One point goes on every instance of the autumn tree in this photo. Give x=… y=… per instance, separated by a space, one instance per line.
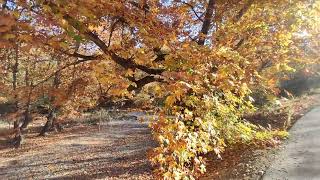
x=32 y=70
x=207 y=56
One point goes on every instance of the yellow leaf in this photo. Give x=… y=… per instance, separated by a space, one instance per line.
x=170 y=100
x=9 y=36
x=130 y=73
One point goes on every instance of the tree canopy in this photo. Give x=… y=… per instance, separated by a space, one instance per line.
x=204 y=57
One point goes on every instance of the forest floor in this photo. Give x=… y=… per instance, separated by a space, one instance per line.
x=116 y=149
x=82 y=151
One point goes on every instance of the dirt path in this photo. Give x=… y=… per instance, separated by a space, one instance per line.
x=117 y=151
x=300 y=157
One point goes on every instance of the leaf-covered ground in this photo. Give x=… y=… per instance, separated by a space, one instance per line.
x=118 y=151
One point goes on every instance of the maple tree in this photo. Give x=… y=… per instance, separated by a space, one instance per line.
x=205 y=58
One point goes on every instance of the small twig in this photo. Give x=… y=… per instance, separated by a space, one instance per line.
x=193 y=10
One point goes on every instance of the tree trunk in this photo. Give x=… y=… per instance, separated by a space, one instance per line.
x=27 y=119
x=56 y=126
x=27 y=115
x=16 y=124
x=17 y=141
x=14 y=81
x=50 y=118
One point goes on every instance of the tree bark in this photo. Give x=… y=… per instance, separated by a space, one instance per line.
x=17 y=141
x=27 y=119
x=206 y=22
x=15 y=74
x=15 y=67
x=56 y=126
x=50 y=118
x=27 y=115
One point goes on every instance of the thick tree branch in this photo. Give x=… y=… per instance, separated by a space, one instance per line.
x=113 y=27
x=207 y=22
x=142 y=82
x=125 y=63
x=160 y=55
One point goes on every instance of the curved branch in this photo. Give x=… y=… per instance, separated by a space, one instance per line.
x=84 y=57
x=125 y=63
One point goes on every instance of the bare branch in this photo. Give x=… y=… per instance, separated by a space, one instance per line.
x=113 y=27
x=193 y=10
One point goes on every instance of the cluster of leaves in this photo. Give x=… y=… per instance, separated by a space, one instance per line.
x=203 y=112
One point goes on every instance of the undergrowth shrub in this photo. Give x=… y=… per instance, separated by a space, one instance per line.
x=213 y=126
